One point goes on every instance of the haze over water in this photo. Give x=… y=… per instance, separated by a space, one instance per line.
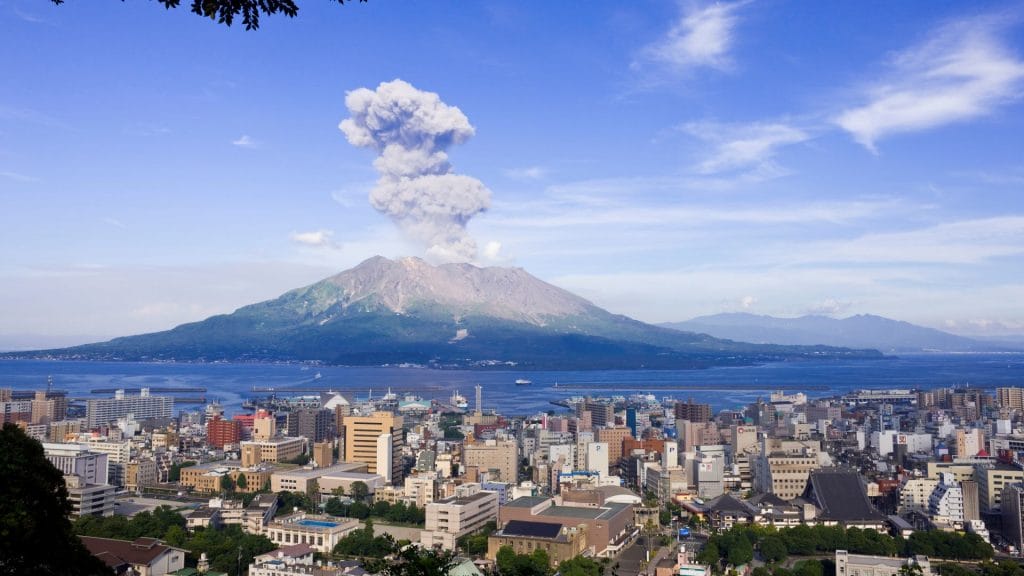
x=723 y=388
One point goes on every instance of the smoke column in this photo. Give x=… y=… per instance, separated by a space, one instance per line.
x=411 y=130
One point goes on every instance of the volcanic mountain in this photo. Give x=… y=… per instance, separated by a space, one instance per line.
x=454 y=315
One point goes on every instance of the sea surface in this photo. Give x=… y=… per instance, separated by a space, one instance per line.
x=726 y=387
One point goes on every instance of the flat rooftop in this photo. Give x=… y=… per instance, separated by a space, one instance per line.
x=527 y=501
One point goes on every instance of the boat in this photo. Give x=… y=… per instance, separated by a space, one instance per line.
x=523 y=382
x=459 y=401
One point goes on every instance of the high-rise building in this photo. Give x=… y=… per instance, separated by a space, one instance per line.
x=362 y=434
x=48 y=407
x=313 y=424
x=102 y=411
x=1013 y=514
x=693 y=411
x=499 y=458
x=220 y=432
x=613 y=437
x=601 y=413
x=1012 y=398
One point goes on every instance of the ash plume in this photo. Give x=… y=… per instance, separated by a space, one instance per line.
x=411 y=130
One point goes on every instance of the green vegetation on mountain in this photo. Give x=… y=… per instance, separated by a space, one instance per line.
x=454 y=315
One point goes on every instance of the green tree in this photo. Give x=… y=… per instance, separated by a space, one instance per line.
x=709 y=554
x=358 y=490
x=174 y=472
x=773 y=549
x=35 y=532
x=580 y=566
x=241 y=482
x=741 y=552
x=227 y=484
x=512 y=564
x=334 y=507
x=225 y=11
x=414 y=561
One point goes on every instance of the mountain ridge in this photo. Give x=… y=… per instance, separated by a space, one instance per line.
x=885 y=334
x=407 y=311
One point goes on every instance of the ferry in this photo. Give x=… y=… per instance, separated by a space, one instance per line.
x=523 y=382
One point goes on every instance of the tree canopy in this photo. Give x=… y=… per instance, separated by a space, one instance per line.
x=225 y=11
x=35 y=532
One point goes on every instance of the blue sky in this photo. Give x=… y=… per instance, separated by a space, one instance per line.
x=663 y=159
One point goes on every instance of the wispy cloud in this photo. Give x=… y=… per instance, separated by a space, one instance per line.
x=702 y=37
x=963 y=71
x=115 y=222
x=18 y=177
x=960 y=242
x=526 y=173
x=315 y=238
x=559 y=215
x=246 y=141
x=742 y=145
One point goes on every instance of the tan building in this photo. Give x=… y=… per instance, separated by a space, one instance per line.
x=264 y=427
x=363 y=443
x=308 y=479
x=499 y=458
x=421 y=489
x=450 y=519
x=323 y=454
x=276 y=450
x=64 y=430
x=208 y=478
x=614 y=437
x=1012 y=398
x=139 y=474
x=560 y=542
x=783 y=466
x=914 y=495
x=991 y=481
x=969 y=442
x=608 y=527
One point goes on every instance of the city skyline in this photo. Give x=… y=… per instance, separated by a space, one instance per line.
x=664 y=160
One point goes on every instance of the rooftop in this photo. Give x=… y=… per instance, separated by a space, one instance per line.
x=531 y=529
x=527 y=501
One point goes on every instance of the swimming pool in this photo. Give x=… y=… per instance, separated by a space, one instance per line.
x=317 y=523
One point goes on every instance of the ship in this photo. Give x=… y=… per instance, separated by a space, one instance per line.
x=523 y=382
x=459 y=401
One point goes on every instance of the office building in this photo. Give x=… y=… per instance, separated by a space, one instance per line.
x=86 y=475
x=500 y=459
x=860 y=565
x=362 y=443
x=321 y=533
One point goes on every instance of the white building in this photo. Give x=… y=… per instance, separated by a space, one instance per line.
x=319 y=532
x=860 y=565
x=106 y=410
x=597 y=458
x=946 y=503
x=450 y=519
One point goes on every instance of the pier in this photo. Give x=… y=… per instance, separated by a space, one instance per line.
x=152 y=390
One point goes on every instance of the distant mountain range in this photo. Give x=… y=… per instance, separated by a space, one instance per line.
x=861 y=331
x=454 y=315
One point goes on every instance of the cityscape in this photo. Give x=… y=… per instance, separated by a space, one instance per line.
x=659 y=288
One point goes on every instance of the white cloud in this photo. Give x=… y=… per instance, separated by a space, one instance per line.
x=315 y=238
x=747 y=302
x=962 y=71
x=702 y=37
x=246 y=141
x=526 y=173
x=18 y=177
x=830 y=307
x=742 y=145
